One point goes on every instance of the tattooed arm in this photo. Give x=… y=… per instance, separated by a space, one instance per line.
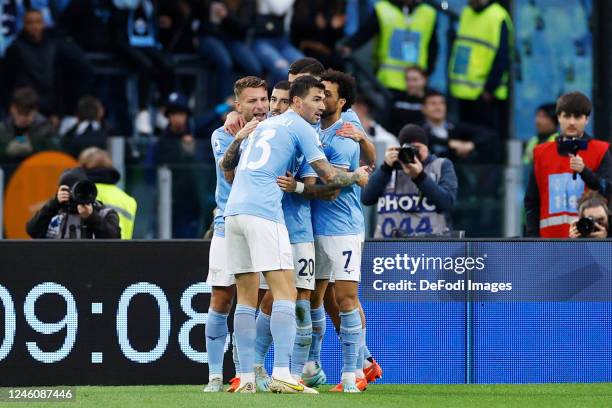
x=338 y=178
x=312 y=191
x=230 y=159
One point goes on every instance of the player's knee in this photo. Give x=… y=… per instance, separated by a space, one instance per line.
x=347 y=302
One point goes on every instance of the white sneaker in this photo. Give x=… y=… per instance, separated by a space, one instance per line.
x=143 y=122
x=214 y=385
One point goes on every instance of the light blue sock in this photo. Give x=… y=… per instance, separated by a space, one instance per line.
x=361 y=351
x=318 y=333
x=350 y=335
x=235 y=353
x=244 y=329
x=303 y=336
x=282 y=326
x=264 y=337
x=216 y=334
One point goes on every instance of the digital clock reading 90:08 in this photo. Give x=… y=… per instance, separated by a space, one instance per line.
x=70 y=322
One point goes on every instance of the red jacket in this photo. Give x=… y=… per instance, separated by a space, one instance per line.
x=559 y=192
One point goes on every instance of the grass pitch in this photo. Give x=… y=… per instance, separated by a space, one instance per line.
x=456 y=396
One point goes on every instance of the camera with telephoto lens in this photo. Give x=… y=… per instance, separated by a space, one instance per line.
x=82 y=192
x=586 y=226
x=406 y=155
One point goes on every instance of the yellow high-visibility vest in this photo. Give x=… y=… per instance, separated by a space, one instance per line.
x=125 y=205
x=474 y=50
x=402 y=41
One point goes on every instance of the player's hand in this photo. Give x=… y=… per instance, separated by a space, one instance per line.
x=233 y=123
x=573 y=232
x=600 y=232
x=364 y=175
x=576 y=163
x=247 y=129
x=63 y=194
x=287 y=183
x=85 y=210
x=413 y=169
x=391 y=156
x=348 y=130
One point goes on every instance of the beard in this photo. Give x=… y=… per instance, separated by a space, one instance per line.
x=327 y=113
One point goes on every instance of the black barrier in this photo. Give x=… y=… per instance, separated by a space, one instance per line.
x=103 y=313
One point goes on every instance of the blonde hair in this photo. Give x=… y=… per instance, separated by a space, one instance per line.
x=94 y=157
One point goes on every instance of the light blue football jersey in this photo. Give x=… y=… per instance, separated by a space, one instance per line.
x=297 y=209
x=220 y=141
x=342 y=216
x=351 y=117
x=273 y=149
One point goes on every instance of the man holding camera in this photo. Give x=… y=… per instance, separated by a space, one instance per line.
x=564 y=169
x=594 y=217
x=74 y=212
x=415 y=190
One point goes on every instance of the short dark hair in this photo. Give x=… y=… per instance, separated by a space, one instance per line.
x=431 y=93
x=89 y=108
x=347 y=89
x=592 y=199
x=284 y=85
x=248 y=82
x=549 y=109
x=307 y=65
x=417 y=69
x=302 y=85
x=574 y=103
x=25 y=100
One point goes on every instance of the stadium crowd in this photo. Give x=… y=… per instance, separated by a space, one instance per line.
x=53 y=96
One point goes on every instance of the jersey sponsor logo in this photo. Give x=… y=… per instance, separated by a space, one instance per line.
x=390 y=203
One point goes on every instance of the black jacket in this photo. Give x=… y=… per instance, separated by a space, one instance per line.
x=95 y=226
x=103 y=223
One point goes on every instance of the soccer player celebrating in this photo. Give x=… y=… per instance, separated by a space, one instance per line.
x=339 y=230
x=254 y=106
x=256 y=237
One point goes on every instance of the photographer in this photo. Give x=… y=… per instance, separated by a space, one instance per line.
x=415 y=190
x=564 y=169
x=74 y=212
x=594 y=217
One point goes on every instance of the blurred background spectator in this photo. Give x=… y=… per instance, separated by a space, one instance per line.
x=408 y=104
x=138 y=44
x=546 y=124
x=88 y=129
x=271 y=42
x=457 y=141
x=224 y=27
x=376 y=133
x=43 y=59
x=25 y=131
x=406 y=31
x=479 y=68
x=316 y=27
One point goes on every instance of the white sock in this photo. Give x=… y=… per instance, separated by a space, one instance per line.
x=359 y=373
x=348 y=378
x=246 y=378
x=282 y=373
x=215 y=377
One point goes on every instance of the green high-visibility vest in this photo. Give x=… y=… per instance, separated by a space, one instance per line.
x=403 y=40
x=474 y=50
x=125 y=205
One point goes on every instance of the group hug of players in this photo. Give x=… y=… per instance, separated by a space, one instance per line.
x=288 y=233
